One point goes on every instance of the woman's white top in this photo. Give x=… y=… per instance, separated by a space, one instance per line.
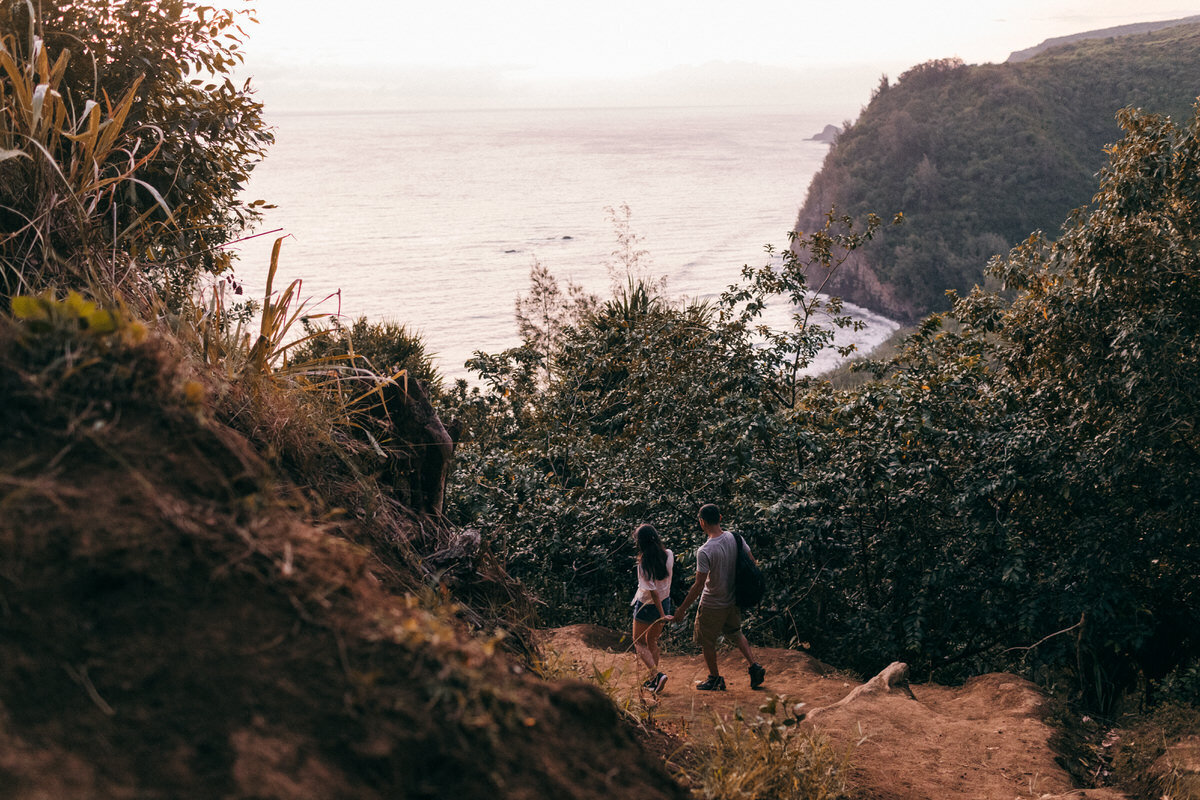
x=646 y=584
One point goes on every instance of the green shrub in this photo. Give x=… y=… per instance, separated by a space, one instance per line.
x=1182 y=685
x=385 y=347
x=120 y=131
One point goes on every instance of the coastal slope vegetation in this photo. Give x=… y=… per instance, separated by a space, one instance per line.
x=1015 y=490
x=183 y=613
x=979 y=156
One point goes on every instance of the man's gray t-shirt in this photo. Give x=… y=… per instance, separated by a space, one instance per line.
x=718 y=557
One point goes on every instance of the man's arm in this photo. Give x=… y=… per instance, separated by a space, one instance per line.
x=692 y=594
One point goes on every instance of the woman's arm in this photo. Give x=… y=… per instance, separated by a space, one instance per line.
x=670 y=574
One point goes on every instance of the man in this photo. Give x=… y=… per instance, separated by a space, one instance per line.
x=717 y=614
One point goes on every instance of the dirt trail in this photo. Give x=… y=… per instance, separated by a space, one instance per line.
x=986 y=740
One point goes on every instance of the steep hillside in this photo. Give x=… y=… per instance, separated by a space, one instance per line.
x=1103 y=33
x=978 y=157
x=178 y=619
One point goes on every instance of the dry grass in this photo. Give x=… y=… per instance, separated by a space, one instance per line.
x=771 y=755
x=1142 y=763
x=63 y=166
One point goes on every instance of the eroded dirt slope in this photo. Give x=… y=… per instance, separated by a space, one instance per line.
x=177 y=622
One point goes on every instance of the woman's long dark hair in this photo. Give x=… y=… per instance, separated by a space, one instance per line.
x=652 y=556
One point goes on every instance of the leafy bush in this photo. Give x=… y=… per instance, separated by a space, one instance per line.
x=119 y=131
x=386 y=348
x=1182 y=685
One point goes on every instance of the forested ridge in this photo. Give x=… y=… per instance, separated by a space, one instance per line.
x=979 y=156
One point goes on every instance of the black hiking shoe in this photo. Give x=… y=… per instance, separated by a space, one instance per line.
x=715 y=683
x=659 y=682
x=651 y=682
x=757 y=675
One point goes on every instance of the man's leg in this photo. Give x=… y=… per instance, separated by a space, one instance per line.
x=757 y=673
x=708 y=628
x=744 y=646
x=734 y=632
x=710 y=658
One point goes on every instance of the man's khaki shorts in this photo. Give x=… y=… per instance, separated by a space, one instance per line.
x=711 y=623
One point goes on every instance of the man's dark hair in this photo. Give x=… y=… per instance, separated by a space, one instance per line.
x=710 y=513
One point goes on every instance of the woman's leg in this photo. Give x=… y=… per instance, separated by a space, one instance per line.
x=660 y=680
x=652 y=635
x=641 y=632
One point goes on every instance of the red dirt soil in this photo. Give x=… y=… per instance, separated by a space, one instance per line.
x=986 y=740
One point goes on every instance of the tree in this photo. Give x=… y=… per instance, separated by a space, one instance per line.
x=122 y=130
x=1104 y=341
x=544 y=313
x=1025 y=470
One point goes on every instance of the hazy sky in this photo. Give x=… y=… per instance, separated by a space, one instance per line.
x=375 y=54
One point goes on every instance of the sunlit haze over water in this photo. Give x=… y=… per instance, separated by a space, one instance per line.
x=412 y=176
x=433 y=219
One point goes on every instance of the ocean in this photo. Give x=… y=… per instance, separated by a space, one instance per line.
x=433 y=219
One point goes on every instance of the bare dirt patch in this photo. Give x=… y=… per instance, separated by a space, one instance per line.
x=985 y=740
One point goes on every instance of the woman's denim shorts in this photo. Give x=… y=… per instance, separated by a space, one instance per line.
x=648 y=612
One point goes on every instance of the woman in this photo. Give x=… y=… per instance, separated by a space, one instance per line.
x=652 y=603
